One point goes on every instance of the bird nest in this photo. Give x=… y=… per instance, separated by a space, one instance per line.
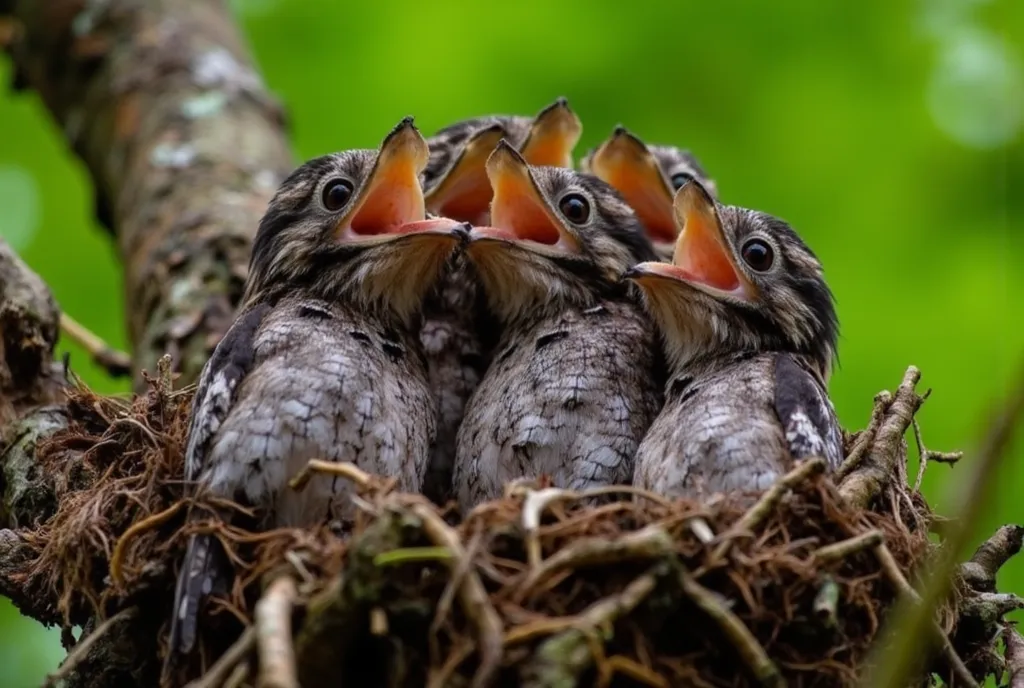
x=544 y=587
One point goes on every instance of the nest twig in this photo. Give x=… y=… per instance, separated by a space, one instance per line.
x=542 y=587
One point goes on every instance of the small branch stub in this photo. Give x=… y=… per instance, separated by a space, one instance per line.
x=274 y=635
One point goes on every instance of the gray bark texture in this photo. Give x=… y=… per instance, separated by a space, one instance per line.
x=185 y=146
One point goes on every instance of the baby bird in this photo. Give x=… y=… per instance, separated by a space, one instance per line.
x=750 y=330
x=456 y=334
x=647 y=177
x=571 y=388
x=323 y=360
x=455 y=180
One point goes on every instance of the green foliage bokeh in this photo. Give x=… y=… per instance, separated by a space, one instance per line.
x=888 y=134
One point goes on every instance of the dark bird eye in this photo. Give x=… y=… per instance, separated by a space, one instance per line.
x=336 y=194
x=575 y=208
x=758 y=255
x=680 y=179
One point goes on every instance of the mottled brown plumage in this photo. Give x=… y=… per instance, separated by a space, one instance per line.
x=457 y=334
x=572 y=386
x=324 y=359
x=647 y=176
x=749 y=330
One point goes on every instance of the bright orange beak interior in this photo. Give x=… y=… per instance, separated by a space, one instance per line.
x=553 y=137
x=517 y=209
x=629 y=168
x=701 y=253
x=518 y=212
x=394 y=197
x=552 y=148
x=465 y=192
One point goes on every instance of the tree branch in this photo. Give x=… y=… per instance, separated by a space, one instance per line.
x=184 y=145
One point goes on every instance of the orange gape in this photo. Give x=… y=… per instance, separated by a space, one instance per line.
x=702 y=256
x=548 y=148
x=517 y=210
x=645 y=193
x=468 y=199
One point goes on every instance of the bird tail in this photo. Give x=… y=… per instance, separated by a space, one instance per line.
x=204 y=568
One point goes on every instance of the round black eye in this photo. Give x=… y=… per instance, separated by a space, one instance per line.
x=336 y=194
x=680 y=179
x=575 y=207
x=758 y=254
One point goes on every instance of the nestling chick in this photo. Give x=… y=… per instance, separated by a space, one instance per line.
x=647 y=177
x=571 y=388
x=456 y=335
x=750 y=330
x=323 y=360
x=455 y=180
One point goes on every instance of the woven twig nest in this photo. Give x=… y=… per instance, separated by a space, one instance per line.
x=543 y=587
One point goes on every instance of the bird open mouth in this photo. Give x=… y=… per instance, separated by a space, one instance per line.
x=391 y=201
x=555 y=132
x=624 y=162
x=702 y=256
x=464 y=193
x=519 y=212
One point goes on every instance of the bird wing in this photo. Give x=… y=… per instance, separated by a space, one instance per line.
x=806 y=413
x=218 y=385
x=218 y=382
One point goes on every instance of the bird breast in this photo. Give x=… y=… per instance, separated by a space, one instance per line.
x=456 y=357
x=330 y=384
x=717 y=432
x=569 y=396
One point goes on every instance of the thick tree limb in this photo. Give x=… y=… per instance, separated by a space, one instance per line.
x=185 y=147
x=184 y=144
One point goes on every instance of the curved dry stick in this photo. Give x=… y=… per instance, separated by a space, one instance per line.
x=561 y=659
x=343 y=469
x=846 y=548
x=867 y=436
x=82 y=647
x=892 y=571
x=1014 y=657
x=148 y=523
x=763 y=507
x=274 y=635
x=116 y=363
x=925 y=455
x=221 y=671
x=476 y=605
x=651 y=542
x=991 y=555
x=745 y=643
x=861 y=486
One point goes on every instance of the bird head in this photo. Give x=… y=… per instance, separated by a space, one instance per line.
x=352 y=226
x=647 y=177
x=556 y=236
x=456 y=176
x=739 y=280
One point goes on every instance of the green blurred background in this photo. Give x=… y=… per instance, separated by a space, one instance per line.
x=888 y=133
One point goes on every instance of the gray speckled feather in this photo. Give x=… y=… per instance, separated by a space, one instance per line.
x=326 y=382
x=572 y=385
x=322 y=382
x=749 y=359
x=324 y=360
x=457 y=349
x=568 y=395
x=736 y=423
x=457 y=334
